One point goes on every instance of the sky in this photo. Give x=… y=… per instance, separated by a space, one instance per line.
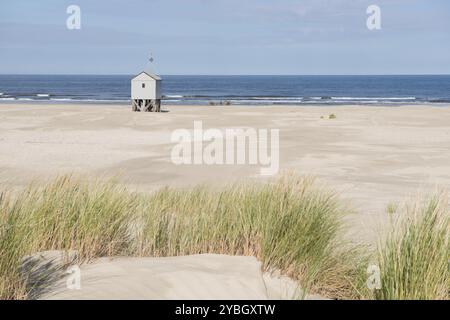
x=304 y=37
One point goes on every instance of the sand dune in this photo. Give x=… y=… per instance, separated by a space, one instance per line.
x=205 y=276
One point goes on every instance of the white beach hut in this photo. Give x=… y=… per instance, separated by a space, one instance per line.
x=146 y=92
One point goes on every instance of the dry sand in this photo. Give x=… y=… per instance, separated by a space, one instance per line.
x=371 y=155
x=195 y=277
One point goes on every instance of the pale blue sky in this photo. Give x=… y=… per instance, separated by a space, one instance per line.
x=225 y=37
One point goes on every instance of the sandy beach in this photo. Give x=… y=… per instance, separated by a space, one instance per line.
x=260 y=150
x=372 y=156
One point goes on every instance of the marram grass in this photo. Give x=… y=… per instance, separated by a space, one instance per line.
x=414 y=258
x=66 y=214
x=289 y=224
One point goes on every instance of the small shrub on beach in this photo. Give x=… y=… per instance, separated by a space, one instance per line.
x=332 y=116
x=391 y=208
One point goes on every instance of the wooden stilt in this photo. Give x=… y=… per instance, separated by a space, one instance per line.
x=134 y=104
x=146 y=105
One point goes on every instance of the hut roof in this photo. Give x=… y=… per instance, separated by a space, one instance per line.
x=151 y=75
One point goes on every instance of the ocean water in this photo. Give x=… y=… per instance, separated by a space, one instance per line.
x=253 y=90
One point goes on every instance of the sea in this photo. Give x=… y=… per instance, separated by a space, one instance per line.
x=234 y=90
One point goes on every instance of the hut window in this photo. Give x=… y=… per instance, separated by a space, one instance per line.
x=143 y=85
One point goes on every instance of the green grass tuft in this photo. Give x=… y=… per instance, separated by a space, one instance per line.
x=414 y=257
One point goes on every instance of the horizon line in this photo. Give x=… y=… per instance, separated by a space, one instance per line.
x=222 y=75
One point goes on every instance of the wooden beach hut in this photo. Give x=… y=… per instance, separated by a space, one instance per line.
x=146 y=92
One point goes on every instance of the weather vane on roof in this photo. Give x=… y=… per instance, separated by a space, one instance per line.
x=150 y=65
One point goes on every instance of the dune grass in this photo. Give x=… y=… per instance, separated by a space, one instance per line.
x=289 y=224
x=414 y=256
x=67 y=214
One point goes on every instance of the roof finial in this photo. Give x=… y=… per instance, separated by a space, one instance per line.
x=150 y=65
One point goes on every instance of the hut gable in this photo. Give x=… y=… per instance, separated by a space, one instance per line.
x=146 y=76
